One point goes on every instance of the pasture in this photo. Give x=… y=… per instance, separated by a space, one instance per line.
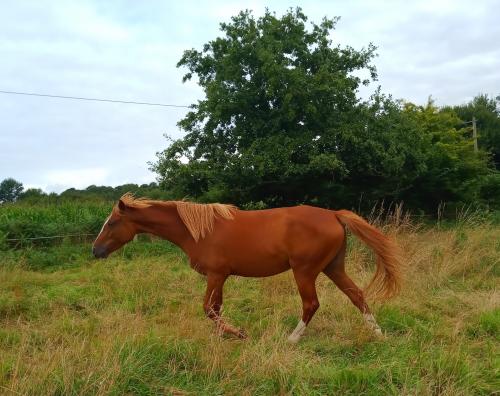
x=134 y=324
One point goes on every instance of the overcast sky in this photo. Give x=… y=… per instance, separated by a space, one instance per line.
x=128 y=50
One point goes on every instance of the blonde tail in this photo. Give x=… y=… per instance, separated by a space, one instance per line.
x=386 y=282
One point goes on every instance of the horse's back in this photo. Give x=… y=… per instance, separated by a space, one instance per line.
x=285 y=224
x=267 y=242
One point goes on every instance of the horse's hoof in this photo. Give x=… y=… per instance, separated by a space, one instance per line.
x=242 y=334
x=293 y=339
x=379 y=334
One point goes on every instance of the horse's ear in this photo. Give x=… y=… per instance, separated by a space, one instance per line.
x=122 y=206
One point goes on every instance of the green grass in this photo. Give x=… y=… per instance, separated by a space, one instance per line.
x=133 y=324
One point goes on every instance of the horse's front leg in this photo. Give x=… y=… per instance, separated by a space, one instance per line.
x=213 y=303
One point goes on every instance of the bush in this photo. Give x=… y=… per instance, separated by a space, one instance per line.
x=490 y=190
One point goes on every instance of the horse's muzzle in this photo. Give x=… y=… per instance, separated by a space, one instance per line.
x=99 y=252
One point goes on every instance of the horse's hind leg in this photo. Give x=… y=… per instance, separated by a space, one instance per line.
x=213 y=303
x=336 y=272
x=306 y=284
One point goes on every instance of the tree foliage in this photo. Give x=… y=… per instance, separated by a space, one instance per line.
x=486 y=110
x=452 y=171
x=10 y=190
x=278 y=97
x=281 y=123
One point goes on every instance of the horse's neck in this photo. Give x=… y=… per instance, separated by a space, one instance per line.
x=164 y=222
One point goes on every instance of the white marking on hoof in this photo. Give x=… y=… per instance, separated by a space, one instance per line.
x=372 y=323
x=297 y=333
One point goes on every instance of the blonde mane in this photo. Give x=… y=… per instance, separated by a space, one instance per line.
x=130 y=200
x=198 y=218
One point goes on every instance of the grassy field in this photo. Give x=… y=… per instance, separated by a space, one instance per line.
x=134 y=324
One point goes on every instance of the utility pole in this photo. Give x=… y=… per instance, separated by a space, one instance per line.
x=474 y=133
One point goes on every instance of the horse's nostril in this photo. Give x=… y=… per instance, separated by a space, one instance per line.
x=99 y=251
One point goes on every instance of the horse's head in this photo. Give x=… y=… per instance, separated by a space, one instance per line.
x=117 y=230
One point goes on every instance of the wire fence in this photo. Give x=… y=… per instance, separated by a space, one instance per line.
x=45 y=241
x=133 y=102
x=19 y=243
x=49 y=237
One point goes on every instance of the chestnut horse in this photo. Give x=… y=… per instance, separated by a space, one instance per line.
x=221 y=240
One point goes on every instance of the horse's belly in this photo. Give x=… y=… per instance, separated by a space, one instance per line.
x=258 y=264
x=258 y=270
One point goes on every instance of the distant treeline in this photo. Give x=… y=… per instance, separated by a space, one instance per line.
x=92 y=193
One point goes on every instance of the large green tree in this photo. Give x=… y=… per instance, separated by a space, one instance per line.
x=278 y=97
x=10 y=190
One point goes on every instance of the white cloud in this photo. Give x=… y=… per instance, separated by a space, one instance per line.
x=57 y=179
x=82 y=19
